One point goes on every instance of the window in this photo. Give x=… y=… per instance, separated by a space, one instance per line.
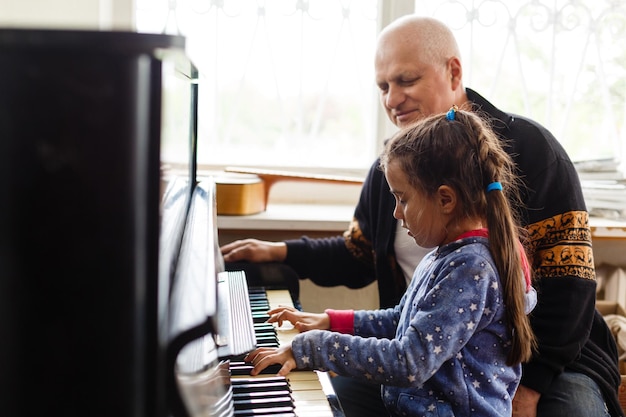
x=284 y=83
x=562 y=63
x=290 y=83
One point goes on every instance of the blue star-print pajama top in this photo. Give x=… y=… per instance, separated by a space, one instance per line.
x=441 y=351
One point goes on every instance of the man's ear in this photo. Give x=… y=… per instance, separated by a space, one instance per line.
x=455 y=71
x=447 y=199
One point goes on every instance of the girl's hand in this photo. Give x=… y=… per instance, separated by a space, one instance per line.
x=261 y=358
x=300 y=320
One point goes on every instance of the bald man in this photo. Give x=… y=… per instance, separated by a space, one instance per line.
x=574 y=372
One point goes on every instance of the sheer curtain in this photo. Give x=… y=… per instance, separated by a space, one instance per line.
x=285 y=83
x=560 y=62
x=290 y=82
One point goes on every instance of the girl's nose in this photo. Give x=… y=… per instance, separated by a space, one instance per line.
x=397 y=213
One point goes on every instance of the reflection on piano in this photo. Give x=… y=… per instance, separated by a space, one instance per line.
x=113 y=296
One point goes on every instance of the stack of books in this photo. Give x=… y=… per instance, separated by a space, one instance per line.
x=604 y=187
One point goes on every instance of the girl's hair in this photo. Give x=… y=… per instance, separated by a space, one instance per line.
x=460 y=150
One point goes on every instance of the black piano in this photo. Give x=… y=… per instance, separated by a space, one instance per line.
x=113 y=296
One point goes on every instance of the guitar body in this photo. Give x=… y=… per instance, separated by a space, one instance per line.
x=242 y=191
x=240 y=195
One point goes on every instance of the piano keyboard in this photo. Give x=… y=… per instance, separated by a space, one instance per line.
x=300 y=394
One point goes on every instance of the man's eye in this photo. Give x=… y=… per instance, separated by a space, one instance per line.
x=408 y=82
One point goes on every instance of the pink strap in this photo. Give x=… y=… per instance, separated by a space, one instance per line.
x=341 y=321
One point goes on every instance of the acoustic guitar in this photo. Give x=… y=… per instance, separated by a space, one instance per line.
x=244 y=191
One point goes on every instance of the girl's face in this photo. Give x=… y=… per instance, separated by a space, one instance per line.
x=424 y=217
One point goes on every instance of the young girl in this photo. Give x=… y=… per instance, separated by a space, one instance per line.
x=454 y=344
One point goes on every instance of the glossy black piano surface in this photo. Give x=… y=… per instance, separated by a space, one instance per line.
x=82 y=304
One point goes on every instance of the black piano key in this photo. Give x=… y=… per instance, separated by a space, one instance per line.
x=243 y=368
x=240 y=370
x=264 y=332
x=246 y=395
x=264 y=402
x=273 y=412
x=270 y=345
x=267 y=386
x=262 y=337
x=243 y=381
x=265 y=335
x=272 y=369
x=238 y=358
x=270 y=386
x=267 y=344
x=260 y=318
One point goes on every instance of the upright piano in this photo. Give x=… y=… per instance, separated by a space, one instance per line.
x=113 y=296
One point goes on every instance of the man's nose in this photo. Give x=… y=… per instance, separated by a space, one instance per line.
x=395 y=96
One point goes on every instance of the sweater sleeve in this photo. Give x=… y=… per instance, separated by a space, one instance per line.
x=434 y=332
x=340 y=260
x=327 y=262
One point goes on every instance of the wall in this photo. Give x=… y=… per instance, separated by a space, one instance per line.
x=68 y=14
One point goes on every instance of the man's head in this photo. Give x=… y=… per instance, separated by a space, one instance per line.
x=418 y=69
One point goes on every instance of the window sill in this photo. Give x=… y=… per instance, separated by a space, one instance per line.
x=301 y=217
x=337 y=217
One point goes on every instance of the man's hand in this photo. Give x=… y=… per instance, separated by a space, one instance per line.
x=301 y=321
x=254 y=250
x=525 y=402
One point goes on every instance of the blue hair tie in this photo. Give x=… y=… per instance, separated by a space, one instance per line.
x=452 y=112
x=494 y=186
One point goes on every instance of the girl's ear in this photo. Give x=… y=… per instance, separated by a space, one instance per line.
x=446 y=198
